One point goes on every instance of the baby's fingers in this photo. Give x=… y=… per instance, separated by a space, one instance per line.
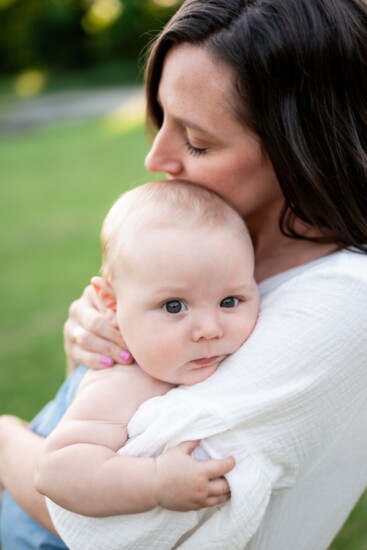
x=219 y=487
x=219 y=493
x=188 y=447
x=219 y=467
x=216 y=501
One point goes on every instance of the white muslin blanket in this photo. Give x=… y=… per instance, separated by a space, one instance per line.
x=278 y=405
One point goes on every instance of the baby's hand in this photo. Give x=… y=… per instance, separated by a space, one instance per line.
x=182 y=483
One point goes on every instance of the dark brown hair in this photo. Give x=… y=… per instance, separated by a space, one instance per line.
x=300 y=70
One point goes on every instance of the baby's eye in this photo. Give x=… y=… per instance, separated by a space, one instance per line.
x=230 y=301
x=174 y=306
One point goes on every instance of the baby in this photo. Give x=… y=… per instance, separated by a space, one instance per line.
x=178 y=278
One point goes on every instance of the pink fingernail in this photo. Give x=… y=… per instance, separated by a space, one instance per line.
x=125 y=355
x=107 y=361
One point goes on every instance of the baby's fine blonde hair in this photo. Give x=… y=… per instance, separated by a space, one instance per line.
x=161 y=205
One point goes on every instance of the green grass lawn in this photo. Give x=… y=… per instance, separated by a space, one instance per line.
x=56 y=185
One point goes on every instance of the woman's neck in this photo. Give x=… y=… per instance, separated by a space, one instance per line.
x=275 y=253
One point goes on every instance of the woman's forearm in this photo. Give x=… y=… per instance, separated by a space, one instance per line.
x=19 y=450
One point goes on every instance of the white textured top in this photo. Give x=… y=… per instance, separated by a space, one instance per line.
x=290 y=406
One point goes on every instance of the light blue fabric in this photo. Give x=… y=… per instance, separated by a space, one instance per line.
x=18 y=531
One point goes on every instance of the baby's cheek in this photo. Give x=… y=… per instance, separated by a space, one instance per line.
x=165 y=358
x=151 y=353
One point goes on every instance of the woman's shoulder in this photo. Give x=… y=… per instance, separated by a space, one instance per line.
x=325 y=299
x=349 y=263
x=345 y=267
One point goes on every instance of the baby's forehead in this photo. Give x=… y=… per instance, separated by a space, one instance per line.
x=180 y=241
x=189 y=229
x=187 y=257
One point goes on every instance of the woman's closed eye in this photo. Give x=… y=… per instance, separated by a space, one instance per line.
x=195 y=151
x=230 y=301
x=174 y=307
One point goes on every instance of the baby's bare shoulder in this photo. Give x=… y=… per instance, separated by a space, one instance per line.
x=129 y=378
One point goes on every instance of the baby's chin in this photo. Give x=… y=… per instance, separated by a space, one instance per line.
x=197 y=374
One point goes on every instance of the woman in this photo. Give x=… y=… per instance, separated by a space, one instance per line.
x=265 y=103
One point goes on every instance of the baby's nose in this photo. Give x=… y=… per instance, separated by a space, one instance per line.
x=207 y=328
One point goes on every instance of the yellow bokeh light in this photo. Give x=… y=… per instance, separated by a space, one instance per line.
x=6 y=3
x=30 y=83
x=166 y=3
x=130 y=115
x=101 y=14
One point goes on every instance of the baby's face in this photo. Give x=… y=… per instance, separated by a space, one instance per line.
x=189 y=301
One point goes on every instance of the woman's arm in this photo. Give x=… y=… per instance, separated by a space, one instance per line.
x=19 y=450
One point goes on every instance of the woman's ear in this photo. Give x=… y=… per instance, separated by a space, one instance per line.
x=105 y=294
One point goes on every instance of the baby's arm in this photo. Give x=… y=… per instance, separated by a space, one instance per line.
x=80 y=470
x=19 y=449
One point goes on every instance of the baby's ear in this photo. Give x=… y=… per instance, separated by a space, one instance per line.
x=105 y=294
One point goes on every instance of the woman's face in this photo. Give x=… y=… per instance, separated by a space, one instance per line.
x=201 y=140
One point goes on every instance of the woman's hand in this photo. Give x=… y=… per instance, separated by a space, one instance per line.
x=182 y=483
x=92 y=337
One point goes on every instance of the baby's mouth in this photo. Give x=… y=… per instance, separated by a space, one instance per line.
x=206 y=361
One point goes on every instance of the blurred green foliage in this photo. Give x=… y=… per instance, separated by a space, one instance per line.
x=75 y=34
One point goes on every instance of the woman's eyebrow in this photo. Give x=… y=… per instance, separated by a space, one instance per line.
x=193 y=126
x=187 y=123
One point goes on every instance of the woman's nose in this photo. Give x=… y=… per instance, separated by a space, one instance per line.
x=207 y=328
x=162 y=156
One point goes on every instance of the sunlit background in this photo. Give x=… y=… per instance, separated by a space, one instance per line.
x=42 y=39
x=71 y=140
